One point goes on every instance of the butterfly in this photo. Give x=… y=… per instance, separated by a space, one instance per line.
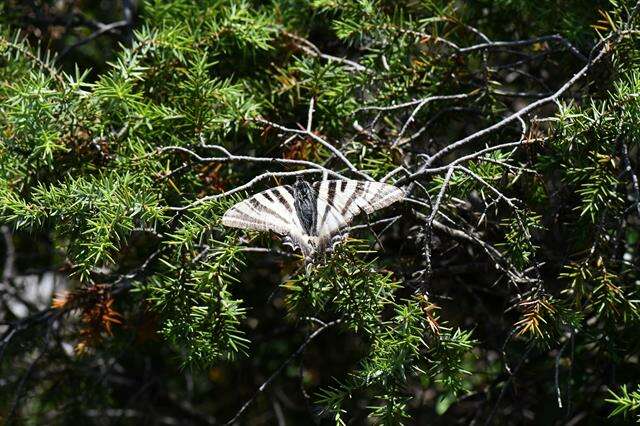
x=310 y=215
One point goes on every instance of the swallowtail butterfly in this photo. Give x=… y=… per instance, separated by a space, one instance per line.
x=310 y=215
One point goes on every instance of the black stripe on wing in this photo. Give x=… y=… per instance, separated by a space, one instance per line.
x=331 y=193
x=358 y=191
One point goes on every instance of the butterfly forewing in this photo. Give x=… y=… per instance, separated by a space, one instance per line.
x=270 y=210
x=339 y=201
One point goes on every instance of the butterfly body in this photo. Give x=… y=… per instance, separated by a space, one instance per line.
x=310 y=216
x=306 y=204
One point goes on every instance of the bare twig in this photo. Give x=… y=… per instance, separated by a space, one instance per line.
x=434 y=170
x=436 y=205
x=507 y=384
x=388 y=220
x=308 y=132
x=268 y=251
x=312 y=50
x=634 y=178
x=602 y=48
x=103 y=28
x=420 y=102
x=500 y=195
x=25 y=378
x=10 y=255
x=275 y=374
x=520 y=43
x=247 y=185
x=557 y=373
x=231 y=158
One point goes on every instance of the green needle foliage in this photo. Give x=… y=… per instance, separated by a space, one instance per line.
x=626 y=403
x=504 y=289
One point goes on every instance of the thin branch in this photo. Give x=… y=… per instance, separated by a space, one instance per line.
x=268 y=251
x=312 y=50
x=321 y=141
x=231 y=158
x=420 y=102
x=537 y=95
x=310 y=115
x=506 y=386
x=634 y=177
x=500 y=261
x=532 y=106
x=507 y=165
x=102 y=30
x=520 y=43
x=425 y=36
x=388 y=220
x=21 y=46
x=434 y=170
x=500 y=195
x=443 y=188
x=247 y=185
x=20 y=389
x=281 y=368
x=557 y=373
x=10 y=255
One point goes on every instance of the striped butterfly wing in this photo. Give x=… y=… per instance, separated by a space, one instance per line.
x=339 y=201
x=270 y=210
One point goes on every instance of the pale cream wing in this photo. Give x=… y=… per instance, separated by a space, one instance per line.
x=339 y=201
x=270 y=210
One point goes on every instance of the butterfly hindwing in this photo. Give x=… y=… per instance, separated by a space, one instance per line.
x=270 y=210
x=339 y=201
